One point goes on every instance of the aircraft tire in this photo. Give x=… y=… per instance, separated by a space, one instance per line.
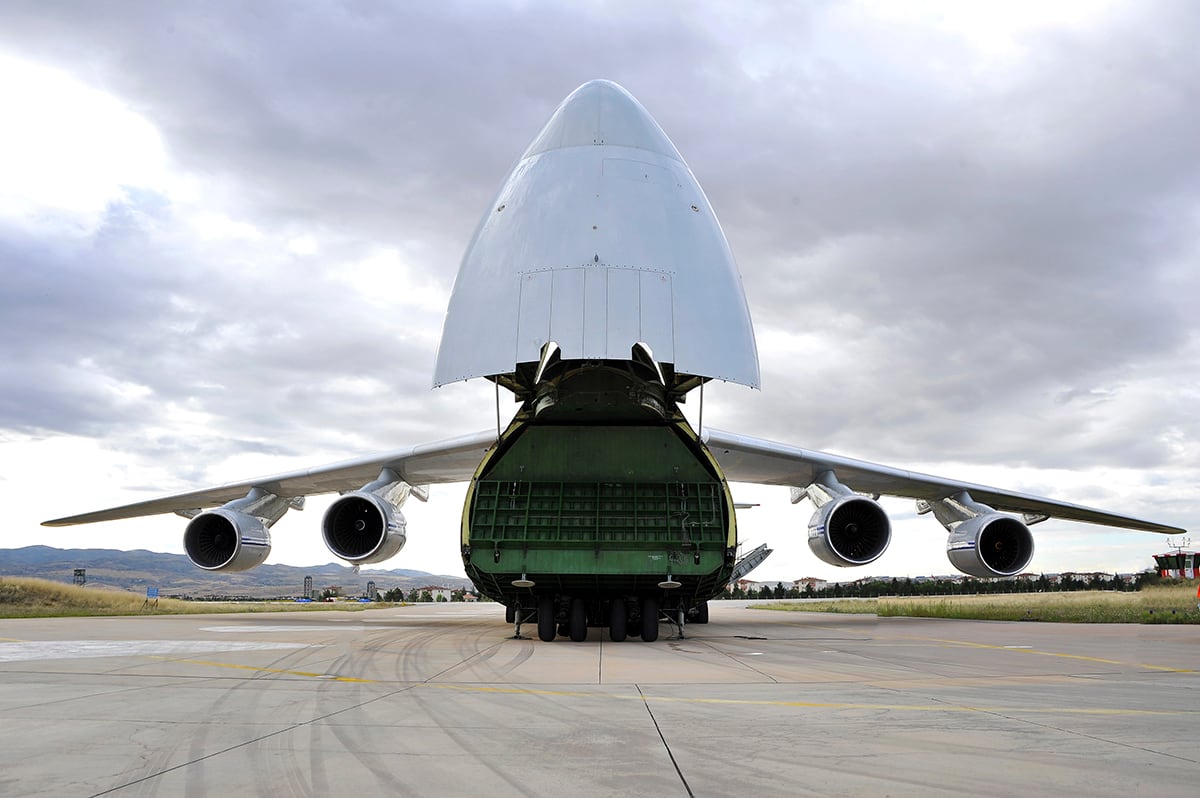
x=617 y=621
x=701 y=613
x=578 y=620
x=510 y=614
x=649 y=619
x=546 y=630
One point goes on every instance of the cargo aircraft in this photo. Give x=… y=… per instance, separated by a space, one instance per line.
x=599 y=289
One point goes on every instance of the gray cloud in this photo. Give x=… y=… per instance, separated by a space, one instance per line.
x=977 y=257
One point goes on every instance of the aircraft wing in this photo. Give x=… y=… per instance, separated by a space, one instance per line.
x=452 y=460
x=746 y=459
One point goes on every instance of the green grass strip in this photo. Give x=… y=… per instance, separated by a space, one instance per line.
x=1164 y=604
x=22 y=597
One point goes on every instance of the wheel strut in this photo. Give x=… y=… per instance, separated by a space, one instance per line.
x=518 y=617
x=679 y=619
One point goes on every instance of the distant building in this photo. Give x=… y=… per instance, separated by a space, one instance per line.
x=1085 y=576
x=434 y=591
x=868 y=579
x=749 y=586
x=810 y=581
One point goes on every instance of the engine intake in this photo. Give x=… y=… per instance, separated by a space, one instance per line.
x=226 y=540
x=849 y=530
x=990 y=545
x=363 y=528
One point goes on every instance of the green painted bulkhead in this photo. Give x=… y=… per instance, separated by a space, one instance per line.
x=599 y=511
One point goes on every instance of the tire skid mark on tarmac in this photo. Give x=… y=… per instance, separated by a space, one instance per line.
x=462 y=734
x=248 y=703
x=820 y=704
x=485 y=648
x=348 y=678
x=910 y=707
x=343 y=668
x=482 y=647
x=167 y=750
x=258 y=669
x=356 y=739
x=195 y=781
x=266 y=780
x=246 y=743
x=349 y=669
x=521 y=652
x=285 y=767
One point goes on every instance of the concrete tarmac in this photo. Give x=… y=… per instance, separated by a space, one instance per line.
x=435 y=700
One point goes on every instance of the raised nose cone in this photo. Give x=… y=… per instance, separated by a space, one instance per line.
x=602 y=113
x=598 y=240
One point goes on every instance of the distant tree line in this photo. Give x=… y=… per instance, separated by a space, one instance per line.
x=415 y=596
x=945 y=587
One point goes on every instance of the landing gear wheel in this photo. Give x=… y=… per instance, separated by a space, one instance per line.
x=546 y=619
x=510 y=614
x=701 y=613
x=578 y=621
x=649 y=619
x=617 y=618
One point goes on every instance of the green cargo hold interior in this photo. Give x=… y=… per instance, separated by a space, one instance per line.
x=549 y=507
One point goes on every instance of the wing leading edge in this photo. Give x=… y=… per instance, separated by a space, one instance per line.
x=747 y=459
x=451 y=460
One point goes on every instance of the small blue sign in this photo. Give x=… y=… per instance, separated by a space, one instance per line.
x=151 y=592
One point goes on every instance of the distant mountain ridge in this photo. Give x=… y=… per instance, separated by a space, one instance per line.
x=174 y=574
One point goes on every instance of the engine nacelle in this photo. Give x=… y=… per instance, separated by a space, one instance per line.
x=990 y=545
x=849 y=530
x=363 y=528
x=226 y=540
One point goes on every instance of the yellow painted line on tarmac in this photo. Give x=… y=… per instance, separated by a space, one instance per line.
x=1101 y=660
x=10 y=640
x=326 y=676
x=522 y=691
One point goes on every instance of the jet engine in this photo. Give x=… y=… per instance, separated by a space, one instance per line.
x=365 y=526
x=226 y=540
x=983 y=542
x=848 y=531
x=848 y=528
x=990 y=545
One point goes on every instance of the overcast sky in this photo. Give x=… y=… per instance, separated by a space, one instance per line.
x=969 y=235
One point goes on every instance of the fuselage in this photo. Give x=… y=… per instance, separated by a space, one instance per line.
x=599 y=493
x=600 y=290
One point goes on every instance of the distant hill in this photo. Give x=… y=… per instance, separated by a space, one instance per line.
x=173 y=574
